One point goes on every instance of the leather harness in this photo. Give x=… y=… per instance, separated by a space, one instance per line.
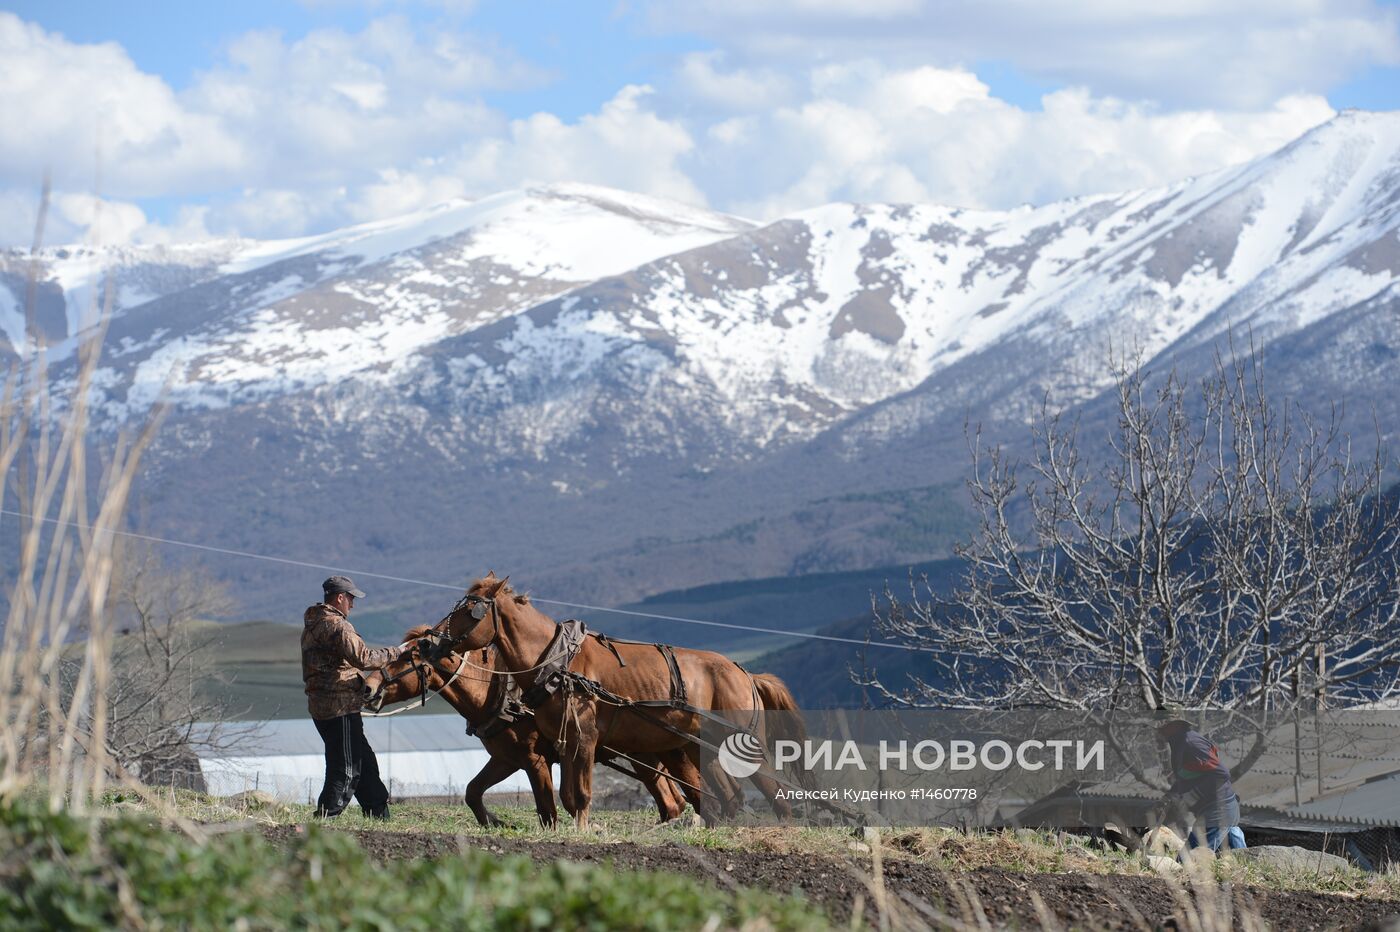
x=508 y=710
x=552 y=670
x=554 y=675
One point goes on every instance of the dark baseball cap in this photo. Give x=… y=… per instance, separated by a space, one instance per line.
x=341 y=584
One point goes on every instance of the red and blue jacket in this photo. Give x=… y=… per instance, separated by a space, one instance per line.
x=1199 y=777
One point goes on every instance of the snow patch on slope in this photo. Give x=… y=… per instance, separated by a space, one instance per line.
x=566 y=232
x=12 y=319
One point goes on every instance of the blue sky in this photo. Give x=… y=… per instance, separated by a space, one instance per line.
x=273 y=119
x=587 y=50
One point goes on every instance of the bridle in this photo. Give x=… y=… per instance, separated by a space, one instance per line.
x=416 y=666
x=478 y=607
x=419 y=665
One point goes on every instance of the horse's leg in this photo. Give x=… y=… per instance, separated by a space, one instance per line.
x=577 y=744
x=576 y=787
x=769 y=788
x=729 y=795
x=685 y=764
x=567 y=787
x=495 y=770
x=728 y=789
x=669 y=802
x=542 y=785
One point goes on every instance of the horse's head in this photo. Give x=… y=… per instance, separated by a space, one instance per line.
x=372 y=688
x=475 y=620
x=399 y=680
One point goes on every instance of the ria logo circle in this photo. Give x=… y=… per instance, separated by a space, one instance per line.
x=740 y=755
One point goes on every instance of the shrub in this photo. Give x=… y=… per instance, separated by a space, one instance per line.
x=62 y=871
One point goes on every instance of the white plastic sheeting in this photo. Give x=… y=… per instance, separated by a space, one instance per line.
x=419 y=755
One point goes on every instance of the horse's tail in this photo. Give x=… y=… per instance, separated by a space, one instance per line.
x=773 y=692
x=788 y=726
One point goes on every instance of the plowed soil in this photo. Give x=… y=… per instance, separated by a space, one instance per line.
x=1005 y=898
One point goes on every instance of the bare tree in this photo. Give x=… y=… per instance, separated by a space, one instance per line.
x=1230 y=554
x=159 y=710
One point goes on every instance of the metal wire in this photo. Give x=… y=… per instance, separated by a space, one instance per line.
x=225 y=551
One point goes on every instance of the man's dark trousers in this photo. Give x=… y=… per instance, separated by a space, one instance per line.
x=351 y=768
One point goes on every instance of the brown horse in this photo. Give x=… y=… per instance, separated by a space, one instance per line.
x=475 y=693
x=581 y=722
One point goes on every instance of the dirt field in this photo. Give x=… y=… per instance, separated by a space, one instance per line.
x=922 y=892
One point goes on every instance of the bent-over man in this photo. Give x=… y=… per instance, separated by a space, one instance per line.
x=331 y=653
x=1201 y=785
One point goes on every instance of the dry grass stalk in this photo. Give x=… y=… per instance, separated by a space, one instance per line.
x=1043 y=915
x=877 y=885
x=63 y=562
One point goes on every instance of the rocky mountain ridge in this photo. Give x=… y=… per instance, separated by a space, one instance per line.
x=638 y=395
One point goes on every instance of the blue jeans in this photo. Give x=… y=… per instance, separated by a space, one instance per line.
x=1221 y=826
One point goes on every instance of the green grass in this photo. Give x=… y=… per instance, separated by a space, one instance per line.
x=948 y=849
x=127 y=868
x=258 y=667
x=129 y=871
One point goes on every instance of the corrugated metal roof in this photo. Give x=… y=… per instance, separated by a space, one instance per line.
x=1377 y=800
x=1092 y=800
x=409 y=732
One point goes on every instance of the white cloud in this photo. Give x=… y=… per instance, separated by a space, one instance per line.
x=833 y=11
x=76 y=109
x=456 y=7
x=370 y=95
x=19 y=210
x=79 y=217
x=284 y=137
x=108 y=222
x=274 y=213
x=336 y=106
x=625 y=144
x=868 y=133
x=399 y=192
x=703 y=77
x=1222 y=53
x=290 y=121
x=883 y=90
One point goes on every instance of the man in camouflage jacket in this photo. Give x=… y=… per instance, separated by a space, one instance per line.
x=331 y=653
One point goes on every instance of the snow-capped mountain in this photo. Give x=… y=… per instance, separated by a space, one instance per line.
x=658 y=382
x=236 y=321
x=791 y=328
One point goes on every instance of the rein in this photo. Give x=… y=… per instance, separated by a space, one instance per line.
x=424 y=691
x=570 y=686
x=481 y=606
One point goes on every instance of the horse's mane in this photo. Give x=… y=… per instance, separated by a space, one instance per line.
x=491 y=579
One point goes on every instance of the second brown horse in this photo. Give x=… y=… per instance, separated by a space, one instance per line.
x=475 y=693
x=581 y=723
